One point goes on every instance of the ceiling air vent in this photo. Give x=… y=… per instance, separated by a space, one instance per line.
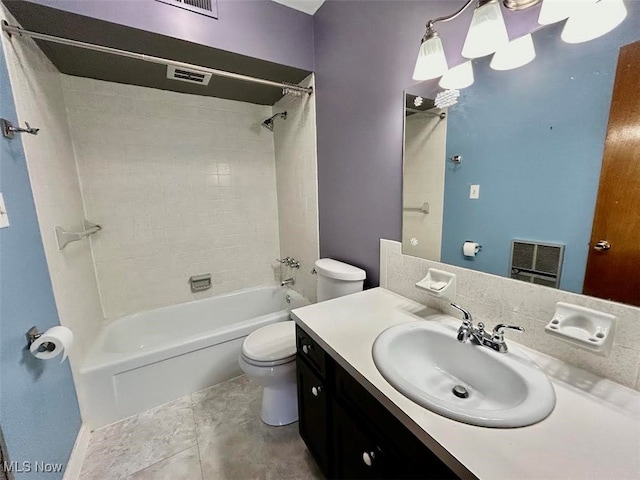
x=191 y=76
x=204 y=7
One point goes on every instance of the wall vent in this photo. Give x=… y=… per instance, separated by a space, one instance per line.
x=539 y=263
x=191 y=76
x=204 y=7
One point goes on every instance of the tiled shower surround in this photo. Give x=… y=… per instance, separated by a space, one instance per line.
x=492 y=299
x=297 y=183
x=181 y=185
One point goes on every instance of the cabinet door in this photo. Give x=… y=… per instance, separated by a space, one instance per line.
x=357 y=453
x=313 y=413
x=311 y=351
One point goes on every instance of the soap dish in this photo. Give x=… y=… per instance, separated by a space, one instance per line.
x=439 y=283
x=583 y=327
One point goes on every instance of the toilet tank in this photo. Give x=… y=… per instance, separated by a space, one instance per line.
x=336 y=279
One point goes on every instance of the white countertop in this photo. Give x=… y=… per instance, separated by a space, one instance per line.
x=593 y=432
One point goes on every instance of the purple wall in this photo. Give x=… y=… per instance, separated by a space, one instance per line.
x=256 y=28
x=365 y=52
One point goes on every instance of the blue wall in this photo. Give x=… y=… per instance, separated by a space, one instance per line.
x=532 y=138
x=39 y=412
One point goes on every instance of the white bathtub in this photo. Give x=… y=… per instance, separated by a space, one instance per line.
x=144 y=360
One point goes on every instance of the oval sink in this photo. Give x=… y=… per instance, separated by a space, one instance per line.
x=470 y=383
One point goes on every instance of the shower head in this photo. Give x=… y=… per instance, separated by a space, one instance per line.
x=268 y=123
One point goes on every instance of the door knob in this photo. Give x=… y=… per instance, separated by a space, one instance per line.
x=602 y=246
x=316 y=390
x=368 y=457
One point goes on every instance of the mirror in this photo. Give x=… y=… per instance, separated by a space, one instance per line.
x=532 y=141
x=425 y=134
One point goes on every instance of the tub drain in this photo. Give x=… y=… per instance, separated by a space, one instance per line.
x=460 y=392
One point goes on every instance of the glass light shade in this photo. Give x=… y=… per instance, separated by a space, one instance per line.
x=487 y=32
x=594 y=20
x=458 y=77
x=431 y=61
x=514 y=54
x=553 y=11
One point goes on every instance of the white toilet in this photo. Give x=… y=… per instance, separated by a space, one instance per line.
x=268 y=355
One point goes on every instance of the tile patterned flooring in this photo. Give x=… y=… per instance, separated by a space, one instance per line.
x=213 y=434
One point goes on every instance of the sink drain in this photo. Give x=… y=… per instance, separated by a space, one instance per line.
x=460 y=392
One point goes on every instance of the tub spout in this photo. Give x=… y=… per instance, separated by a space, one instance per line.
x=289 y=281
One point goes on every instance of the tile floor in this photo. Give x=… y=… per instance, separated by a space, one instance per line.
x=213 y=434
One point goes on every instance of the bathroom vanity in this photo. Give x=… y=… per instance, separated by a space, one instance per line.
x=356 y=425
x=349 y=432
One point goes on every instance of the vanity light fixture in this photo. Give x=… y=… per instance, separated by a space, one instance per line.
x=594 y=20
x=514 y=54
x=460 y=76
x=486 y=34
x=431 y=61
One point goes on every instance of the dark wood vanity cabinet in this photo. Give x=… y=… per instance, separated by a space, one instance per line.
x=348 y=432
x=313 y=412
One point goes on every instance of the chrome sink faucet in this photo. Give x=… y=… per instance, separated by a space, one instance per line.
x=466 y=329
x=493 y=340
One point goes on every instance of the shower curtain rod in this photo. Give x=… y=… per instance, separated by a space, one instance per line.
x=286 y=87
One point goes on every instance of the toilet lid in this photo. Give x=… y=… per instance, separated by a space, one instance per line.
x=273 y=342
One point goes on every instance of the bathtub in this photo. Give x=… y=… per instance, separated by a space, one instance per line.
x=146 y=359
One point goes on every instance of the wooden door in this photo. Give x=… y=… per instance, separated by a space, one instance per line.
x=614 y=273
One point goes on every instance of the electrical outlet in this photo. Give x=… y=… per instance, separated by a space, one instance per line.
x=474 y=192
x=4 y=216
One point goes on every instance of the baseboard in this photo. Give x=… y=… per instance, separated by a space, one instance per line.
x=74 y=465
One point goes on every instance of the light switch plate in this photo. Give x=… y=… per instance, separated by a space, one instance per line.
x=4 y=216
x=474 y=192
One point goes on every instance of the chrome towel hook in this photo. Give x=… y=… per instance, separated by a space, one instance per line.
x=9 y=131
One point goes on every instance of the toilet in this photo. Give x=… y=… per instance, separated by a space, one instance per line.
x=268 y=355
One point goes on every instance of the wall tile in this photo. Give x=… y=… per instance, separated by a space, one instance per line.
x=183 y=191
x=297 y=185
x=492 y=299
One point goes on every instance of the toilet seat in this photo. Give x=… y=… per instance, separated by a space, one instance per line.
x=271 y=345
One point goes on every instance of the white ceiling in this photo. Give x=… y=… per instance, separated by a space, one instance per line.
x=306 y=6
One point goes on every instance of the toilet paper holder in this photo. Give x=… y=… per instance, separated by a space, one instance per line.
x=470 y=248
x=33 y=334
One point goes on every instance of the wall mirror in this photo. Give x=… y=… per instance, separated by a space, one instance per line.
x=529 y=143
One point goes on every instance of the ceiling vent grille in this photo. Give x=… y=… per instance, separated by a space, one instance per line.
x=191 y=76
x=204 y=7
